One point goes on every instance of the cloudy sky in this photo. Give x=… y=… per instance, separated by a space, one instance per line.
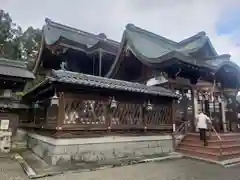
x=174 y=19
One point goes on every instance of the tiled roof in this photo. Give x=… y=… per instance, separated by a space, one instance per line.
x=152 y=49
x=55 y=32
x=14 y=68
x=102 y=82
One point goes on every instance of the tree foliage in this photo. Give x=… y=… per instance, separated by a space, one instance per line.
x=31 y=40
x=16 y=44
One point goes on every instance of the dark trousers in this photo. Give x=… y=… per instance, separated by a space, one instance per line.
x=203 y=136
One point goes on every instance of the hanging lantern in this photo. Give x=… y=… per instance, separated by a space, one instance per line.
x=200 y=97
x=54 y=100
x=229 y=101
x=66 y=116
x=127 y=52
x=177 y=92
x=188 y=94
x=206 y=96
x=218 y=99
x=113 y=103
x=76 y=115
x=179 y=96
x=149 y=106
x=212 y=98
x=35 y=105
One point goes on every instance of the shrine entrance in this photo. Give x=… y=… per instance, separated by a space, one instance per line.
x=194 y=100
x=212 y=107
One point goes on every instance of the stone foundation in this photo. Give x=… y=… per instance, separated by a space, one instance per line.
x=19 y=141
x=60 y=151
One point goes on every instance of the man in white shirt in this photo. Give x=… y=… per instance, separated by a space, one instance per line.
x=202 y=124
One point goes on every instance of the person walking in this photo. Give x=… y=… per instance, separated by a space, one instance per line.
x=202 y=124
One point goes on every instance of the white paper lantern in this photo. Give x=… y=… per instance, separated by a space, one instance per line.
x=149 y=106
x=54 y=100
x=113 y=103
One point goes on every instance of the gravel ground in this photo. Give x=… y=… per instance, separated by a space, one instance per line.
x=181 y=169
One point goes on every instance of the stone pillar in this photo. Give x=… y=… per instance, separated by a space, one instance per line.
x=223 y=115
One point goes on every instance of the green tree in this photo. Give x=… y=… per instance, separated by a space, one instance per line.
x=16 y=44
x=30 y=41
x=10 y=35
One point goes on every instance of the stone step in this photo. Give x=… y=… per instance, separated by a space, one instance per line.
x=227 y=136
x=224 y=146
x=211 y=155
x=228 y=142
x=231 y=162
x=230 y=155
x=204 y=152
x=200 y=148
x=196 y=153
x=220 y=150
x=212 y=148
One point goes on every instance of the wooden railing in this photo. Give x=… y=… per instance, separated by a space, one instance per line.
x=87 y=112
x=218 y=138
x=182 y=130
x=96 y=113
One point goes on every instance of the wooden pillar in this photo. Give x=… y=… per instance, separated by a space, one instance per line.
x=185 y=104
x=223 y=115
x=61 y=111
x=235 y=112
x=173 y=108
x=194 y=108
x=109 y=116
x=94 y=59
x=173 y=115
x=100 y=62
x=174 y=139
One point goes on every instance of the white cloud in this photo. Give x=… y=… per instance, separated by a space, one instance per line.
x=174 y=19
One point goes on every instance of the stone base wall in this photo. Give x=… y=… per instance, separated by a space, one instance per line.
x=60 y=151
x=19 y=141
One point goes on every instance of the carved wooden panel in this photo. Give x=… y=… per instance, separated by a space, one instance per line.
x=89 y=112
x=85 y=112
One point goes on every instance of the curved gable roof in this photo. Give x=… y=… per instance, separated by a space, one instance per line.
x=58 y=33
x=151 y=49
x=54 y=31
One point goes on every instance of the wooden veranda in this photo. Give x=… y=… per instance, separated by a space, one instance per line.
x=78 y=104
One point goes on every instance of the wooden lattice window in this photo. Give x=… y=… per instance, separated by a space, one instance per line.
x=85 y=112
x=127 y=114
x=160 y=115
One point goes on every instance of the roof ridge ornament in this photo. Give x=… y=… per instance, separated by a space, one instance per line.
x=63 y=66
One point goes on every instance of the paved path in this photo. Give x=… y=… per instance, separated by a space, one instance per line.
x=182 y=169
